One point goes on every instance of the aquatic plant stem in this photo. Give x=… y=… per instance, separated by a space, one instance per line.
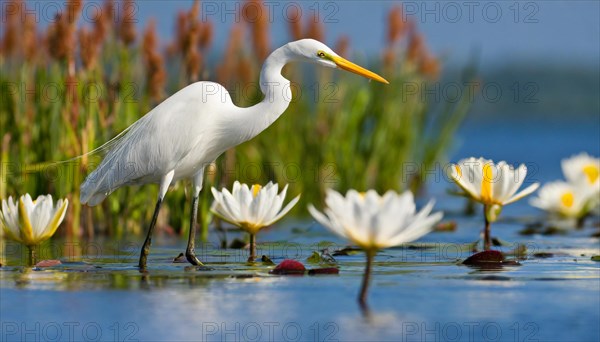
x=487 y=240
x=252 y=256
x=362 y=297
x=580 y=223
x=31 y=255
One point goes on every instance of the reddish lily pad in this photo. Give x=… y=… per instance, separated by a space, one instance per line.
x=484 y=257
x=489 y=259
x=48 y=263
x=289 y=266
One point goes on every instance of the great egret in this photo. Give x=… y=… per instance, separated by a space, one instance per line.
x=189 y=130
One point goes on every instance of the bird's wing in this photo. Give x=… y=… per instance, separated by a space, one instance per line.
x=155 y=144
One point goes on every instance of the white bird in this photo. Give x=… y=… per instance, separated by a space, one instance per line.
x=189 y=130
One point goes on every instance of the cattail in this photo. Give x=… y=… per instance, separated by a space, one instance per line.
x=207 y=35
x=190 y=43
x=234 y=45
x=59 y=41
x=30 y=44
x=104 y=21
x=155 y=71
x=73 y=9
x=10 y=39
x=396 y=25
x=256 y=14
x=342 y=46
x=416 y=48
x=294 y=23
x=429 y=67
x=389 y=57
x=127 y=31
x=61 y=35
x=245 y=70
x=315 y=29
x=88 y=48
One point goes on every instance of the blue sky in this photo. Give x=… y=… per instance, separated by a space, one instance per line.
x=502 y=31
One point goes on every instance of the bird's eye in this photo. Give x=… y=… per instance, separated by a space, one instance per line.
x=321 y=54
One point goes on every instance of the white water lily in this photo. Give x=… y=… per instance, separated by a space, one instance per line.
x=251 y=209
x=563 y=199
x=374 y=222
x=32 y=222
x=493 y=185
x=582 y=169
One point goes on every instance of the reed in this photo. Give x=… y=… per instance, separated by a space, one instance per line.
x=67 y=90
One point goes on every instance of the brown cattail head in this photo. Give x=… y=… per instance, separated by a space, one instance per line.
x=232 y=51
x=181 y=32
x=191 y=42
x=389 y=57
x=293 y=16
x=396 y=25
x=207 y=35
x=127 y=32
x=342 y=46
x=104 y=19
x=61 y=35
x=255 y=13
x=30 y=39
x=60 y=41
x=155 y=71
x=430 y=67
x=88 y=48
x=72 y=11
x=315 y=29
x=11 y=19
x=416 y=47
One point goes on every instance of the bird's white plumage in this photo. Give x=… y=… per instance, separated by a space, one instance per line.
x=190 y=129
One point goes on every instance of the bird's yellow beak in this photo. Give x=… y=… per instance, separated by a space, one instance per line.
x=345 y=64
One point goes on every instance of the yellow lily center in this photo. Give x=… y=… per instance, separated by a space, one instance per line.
x=256 y=189
x=567 y=199
x=486 y=183
x=458 y=170
x=592 y=173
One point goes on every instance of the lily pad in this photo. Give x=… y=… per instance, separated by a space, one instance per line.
x=289 y=266
x=48 y=263
x=314 y=258
x=485 y=256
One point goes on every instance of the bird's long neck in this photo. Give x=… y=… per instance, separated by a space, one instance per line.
x=277 y=95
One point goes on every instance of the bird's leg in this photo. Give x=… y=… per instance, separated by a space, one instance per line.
x=190 y=252
x=162 y=191
x=148 y=241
